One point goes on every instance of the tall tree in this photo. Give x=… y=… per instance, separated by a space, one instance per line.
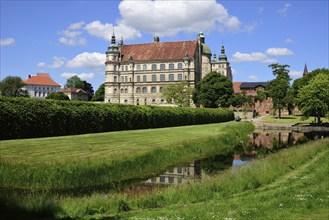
x=74 y=82
x=12 y=86
x=213 y=91
x=179 y=93
x=313 y=99
x=88 y=88
x=279 y=87
x=100 y=93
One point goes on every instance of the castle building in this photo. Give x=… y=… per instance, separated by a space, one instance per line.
x=137 y=73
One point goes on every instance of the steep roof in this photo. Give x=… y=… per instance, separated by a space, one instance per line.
x=248 y=85
x=159 y=51
x=40 y=79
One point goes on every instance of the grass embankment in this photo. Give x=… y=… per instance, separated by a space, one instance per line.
x=289 y=120
x=291 y=184
x=107 y=158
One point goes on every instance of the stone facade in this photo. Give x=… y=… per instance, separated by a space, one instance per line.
x=136 y=74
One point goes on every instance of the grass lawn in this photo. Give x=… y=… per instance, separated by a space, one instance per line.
x=287 y=120
x=106 y=145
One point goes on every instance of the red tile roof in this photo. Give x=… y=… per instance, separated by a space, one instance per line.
x=236 y=87
x=159 y=51
x=72 y=90
x=40 y=79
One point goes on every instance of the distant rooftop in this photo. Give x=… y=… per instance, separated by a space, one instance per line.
x=42 y=79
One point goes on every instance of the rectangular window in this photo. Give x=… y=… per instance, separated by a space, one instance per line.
x=180 y=77
x=144 y=78
x=171 y=66
x=162 y=67
x=154 y=78
x=162 y=77
x=153 y=89
x=171 y=77
x=154 y=67
x=180 y=66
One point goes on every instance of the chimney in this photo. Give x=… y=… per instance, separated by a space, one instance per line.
x=30 y=76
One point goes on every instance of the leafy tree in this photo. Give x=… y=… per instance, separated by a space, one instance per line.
x=261 y=95
x=88 y=88
x=58 y=96
x=213 y=91
x=100 y=93
x=179 y=93
x=74 y=82
x=279 y=87
x=313 y=99
x=238 y=100
x=12 y=86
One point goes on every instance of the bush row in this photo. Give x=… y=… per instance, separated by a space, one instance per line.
x=30 y=118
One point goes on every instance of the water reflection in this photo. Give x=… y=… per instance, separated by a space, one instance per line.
x=259 y=144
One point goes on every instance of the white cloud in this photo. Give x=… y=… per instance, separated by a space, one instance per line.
x=234 y=71
x=253 y=77
x=252 y=57
x=82 y=76
x=284 y=10
x=7 y=42
x=165 y=19
x=57 y=63
x=104 y=31
x=88 y=60
x=72 y=36
x=279 y=51
x=296 y=73
x=289 y=40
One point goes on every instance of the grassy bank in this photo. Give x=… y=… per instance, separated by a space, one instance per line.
x=291 y=184
x=99 y=160
x=288 y=120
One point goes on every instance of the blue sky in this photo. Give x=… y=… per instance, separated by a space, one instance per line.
x=66 y=38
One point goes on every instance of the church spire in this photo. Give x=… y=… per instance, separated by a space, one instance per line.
x=113 y=38
x=222 y=54
x=305 y=70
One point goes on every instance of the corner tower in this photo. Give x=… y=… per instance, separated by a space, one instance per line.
x=221 y=65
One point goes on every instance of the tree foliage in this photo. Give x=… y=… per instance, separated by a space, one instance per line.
x=100 y=93
x=74 y=82
x=313 y=98
x=213 y=91
x=238 y=100
x=89 y=89
x=279 y=87
x=58 y=96
x=179 y=93
x=12 y=86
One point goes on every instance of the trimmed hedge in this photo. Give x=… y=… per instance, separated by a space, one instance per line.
x=30 y=118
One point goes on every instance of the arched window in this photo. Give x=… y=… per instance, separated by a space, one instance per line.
x=162 y=77
x=115 y=79
x=115 y=91
x=138 y=78
x=138 y=67
x=138 y=90
x=153 y=90
x=171 y=77
x=162 y=67
x=144 y=78
x=126 y=68
x=126 y=78
x=122 y=79
x=126 y=90
x=154 y=78
x=179 y=77
x=154 y=67
x=121 y=90
x=144 y=90
x=180 y=66
x=171 y=66
x=144 y=67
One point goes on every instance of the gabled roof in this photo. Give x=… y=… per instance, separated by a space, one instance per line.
x=248 y=85
x=72 y=90
x=40 y=79
x=159 y=51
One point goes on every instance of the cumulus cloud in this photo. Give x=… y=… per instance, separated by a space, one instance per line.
x=253 y=77
x=104 y=31
x=279 y=51
x=87 y=60
x=252 y=57
x=72 y=35
x=167 y=19
x=284 y=11
x=289 y=40
x=82 y=76
x=7 y=41
x=57 y=63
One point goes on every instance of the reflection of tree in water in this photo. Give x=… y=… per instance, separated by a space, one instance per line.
x=212 y=165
